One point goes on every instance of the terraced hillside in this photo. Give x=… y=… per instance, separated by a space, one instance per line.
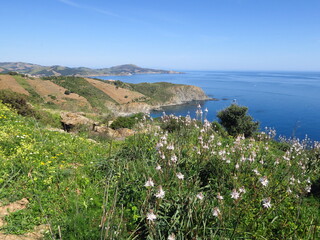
x=97 y=96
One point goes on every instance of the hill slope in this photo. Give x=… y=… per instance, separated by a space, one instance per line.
x=98 y=96
x=40 y=71
x=190 y=182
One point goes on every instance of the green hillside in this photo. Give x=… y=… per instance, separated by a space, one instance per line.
x=179 y=178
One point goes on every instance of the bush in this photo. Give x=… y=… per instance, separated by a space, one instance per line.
x=12 y=73
x=219 y=129
x=67 y=92
x=236 y=121
x=170 y=124
x=126 y=122
x=17 y=101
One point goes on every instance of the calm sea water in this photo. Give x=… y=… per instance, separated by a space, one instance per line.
x=287 y=101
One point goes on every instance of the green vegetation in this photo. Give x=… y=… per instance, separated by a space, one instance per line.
x=190 y=182
x=157 y=92
x=19 y=103
x=34 y=96
x=127 y=121
x=236 y=121
x=95 y=96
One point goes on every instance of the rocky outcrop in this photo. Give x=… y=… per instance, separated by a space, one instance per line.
x=69 y=120
x=186 y=93
x=119 y=134
x=129 y=108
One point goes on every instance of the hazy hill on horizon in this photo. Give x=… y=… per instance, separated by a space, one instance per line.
x=57 y=70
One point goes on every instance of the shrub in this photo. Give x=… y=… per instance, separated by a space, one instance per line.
x=170 y=124
x=17 y=101
x=12 y=73
x=219 y=129
x=236 y=121
x=126 y=122
x=67 y=92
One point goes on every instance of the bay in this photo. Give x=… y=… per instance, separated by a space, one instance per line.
x=286 y=101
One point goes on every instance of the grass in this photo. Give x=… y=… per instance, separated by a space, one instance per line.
x=157 y=92
x=97 y=190
x=34 y=96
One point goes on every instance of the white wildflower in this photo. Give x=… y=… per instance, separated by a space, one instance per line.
x=256 y=172
x=174 y=158
x=205 y=146
x=216 y=212
x=242 y=190
x=266 y=202
x=219 y=196
x=234 y=194
x=170 y=147
x=151 y=216
x=180 y=176
x=149 y=183
x=159 y=145
x=308 y=189
x=172 y=236
x=158 y=167
x=264 y=181
x=160 y=193
x=200 y=196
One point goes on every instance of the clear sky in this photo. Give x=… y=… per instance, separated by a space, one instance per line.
x=170 y=34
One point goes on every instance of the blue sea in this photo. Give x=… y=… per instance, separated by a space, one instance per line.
x=286 y=101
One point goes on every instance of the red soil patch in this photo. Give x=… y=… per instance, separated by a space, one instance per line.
x=120 y=95
x=46 y=89
x=8 y=82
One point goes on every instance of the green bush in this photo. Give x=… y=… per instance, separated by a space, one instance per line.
x=126 y=122
x=219 y=129
x=17 y=101
x=171 y=124
x=236 y=121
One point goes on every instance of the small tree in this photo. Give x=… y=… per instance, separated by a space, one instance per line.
x=236 y=121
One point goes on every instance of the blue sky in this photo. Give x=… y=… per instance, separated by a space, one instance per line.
x=182 y=35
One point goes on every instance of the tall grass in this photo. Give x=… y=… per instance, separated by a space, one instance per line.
x=187 y=183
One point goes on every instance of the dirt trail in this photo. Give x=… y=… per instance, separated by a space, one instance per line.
x=120 y=95
x=8 y=82
x=13 y=207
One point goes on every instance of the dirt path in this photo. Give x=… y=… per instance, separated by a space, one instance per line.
x=13 y=207
x=8 y=82
x=120 y=95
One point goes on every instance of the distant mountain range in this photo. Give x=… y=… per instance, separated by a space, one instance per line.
x=56 y=70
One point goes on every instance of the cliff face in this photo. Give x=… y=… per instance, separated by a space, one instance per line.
x=180 y=94
x=186 y=93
